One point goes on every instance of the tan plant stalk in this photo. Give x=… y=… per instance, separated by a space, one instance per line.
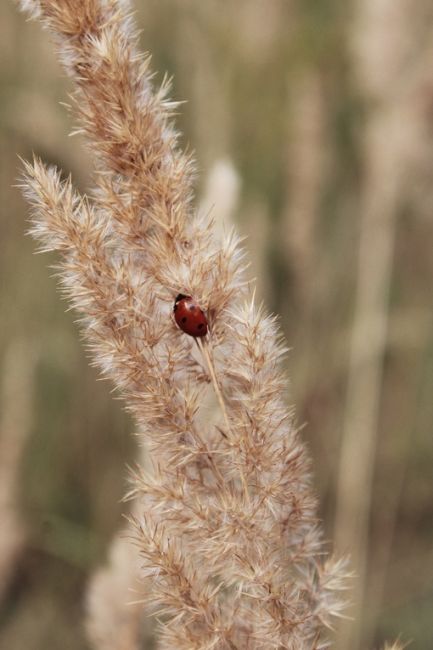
x=15 y=426
x=383 y=31
x=221 y=193
x=227 y=530
x=307 y=161
x=114 y=621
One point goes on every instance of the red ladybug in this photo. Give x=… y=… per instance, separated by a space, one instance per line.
x=189 y=316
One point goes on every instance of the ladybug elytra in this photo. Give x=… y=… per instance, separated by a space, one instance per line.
x=189 y=316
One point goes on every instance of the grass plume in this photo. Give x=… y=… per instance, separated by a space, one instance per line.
x=230 y=546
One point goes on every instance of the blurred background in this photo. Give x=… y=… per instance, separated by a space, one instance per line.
x=312 y=122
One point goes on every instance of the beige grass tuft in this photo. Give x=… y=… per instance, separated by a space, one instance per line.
x=229 y=541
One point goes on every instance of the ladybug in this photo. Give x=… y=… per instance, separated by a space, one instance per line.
x=189 y=316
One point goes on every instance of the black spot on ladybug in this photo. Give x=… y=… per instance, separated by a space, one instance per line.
x=184 y=319
x=200 y=326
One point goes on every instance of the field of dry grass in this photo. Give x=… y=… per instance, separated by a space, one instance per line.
x=312 y=125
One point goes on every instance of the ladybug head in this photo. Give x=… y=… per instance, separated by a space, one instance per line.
x=179 y=298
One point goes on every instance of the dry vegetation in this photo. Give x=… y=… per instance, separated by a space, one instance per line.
x=221 y=476
x=227 y=531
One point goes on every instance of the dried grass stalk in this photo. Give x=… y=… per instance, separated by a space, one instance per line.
x=228 y=534
x=382 y=31
x=114 y=622
x=16 y=397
